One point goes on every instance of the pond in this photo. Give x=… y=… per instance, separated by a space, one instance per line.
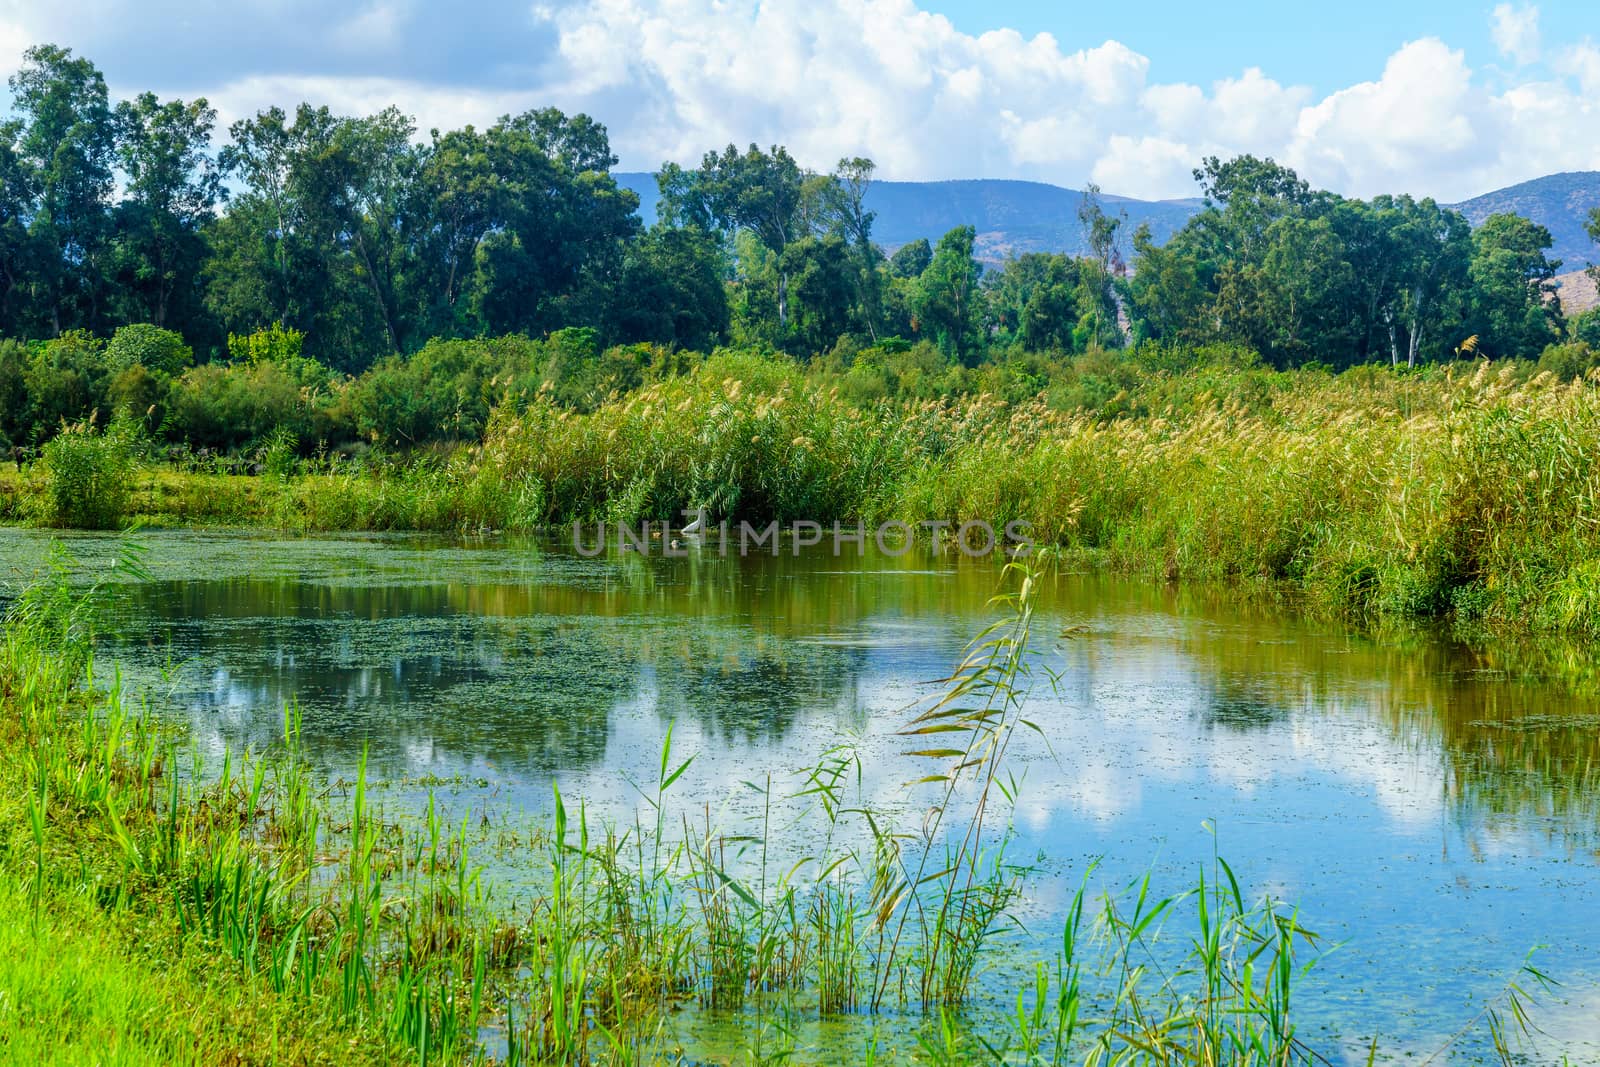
x=1432 y=809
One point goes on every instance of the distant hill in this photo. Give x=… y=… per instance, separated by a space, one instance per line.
x=1577 y=292
x=1017 y=217
x=1010 y=216
x=1560 y=202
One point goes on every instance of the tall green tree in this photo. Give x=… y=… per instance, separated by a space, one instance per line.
x=822 y=287
x=1430 y=248
x=16 y=247
x=379 y=164
x=66 y=143
x=554 y=252
x=1511 y=305
x=276 y=250
x=171 y=190
x=1034 y=301
x=911 y=259
x=946 y=301
x=759 y=192
x=672 y=289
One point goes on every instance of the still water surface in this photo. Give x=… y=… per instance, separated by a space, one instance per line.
x=1433 y=808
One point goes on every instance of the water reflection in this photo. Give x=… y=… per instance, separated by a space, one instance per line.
x=1436 y=805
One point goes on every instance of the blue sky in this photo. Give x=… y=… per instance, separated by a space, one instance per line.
x=1420 y=96
x=1324 y=45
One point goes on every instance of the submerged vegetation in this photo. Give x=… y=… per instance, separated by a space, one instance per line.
x=245 y=912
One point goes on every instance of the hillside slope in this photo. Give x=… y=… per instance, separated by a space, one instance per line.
x=1018 y=216
x=1559 y=202
x=1577 y=292
x=1010 y=216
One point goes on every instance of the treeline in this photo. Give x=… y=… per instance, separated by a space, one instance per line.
x=323 y=252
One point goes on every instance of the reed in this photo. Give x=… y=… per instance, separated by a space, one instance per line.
x=1463 y=491
x=309 y=927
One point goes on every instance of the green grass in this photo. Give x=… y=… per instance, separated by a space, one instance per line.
x=250 y=914
x=1465 y=492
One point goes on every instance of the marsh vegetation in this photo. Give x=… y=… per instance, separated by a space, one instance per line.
x=812 y=921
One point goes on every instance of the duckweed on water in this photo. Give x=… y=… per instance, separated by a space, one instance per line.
x=252 y=914
x=1464 y=492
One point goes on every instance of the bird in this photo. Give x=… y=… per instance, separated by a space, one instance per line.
x=697 y=527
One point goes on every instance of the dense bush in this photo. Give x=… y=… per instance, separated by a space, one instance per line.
x=442 y=393
x=87 y=476
x=143 y=345
x=1571 y=360
x=226 y=406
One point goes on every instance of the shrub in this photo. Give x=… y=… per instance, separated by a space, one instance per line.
x=137 y=393
x=1569 y=361
x=87 y=475
x=443 y=392
x=229 y=406
x=271 y=344
x=151 y=347
x=65 y=381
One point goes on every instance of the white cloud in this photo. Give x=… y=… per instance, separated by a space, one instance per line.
x=441 y=107
x=1516 y=32
x=1420 y=113
x=1151 y=168
x=1582 y=63
x=887 y=79
x=884 y=78
x=14 y=40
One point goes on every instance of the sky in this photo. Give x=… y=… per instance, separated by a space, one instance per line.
x=1433 y=98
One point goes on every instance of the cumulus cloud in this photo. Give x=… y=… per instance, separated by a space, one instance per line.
x=1582 y=63
x=882 y=78
x=1516 y=32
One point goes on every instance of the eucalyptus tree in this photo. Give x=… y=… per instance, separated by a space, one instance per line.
x=274 y=253
x=1512 y=305
x=754 y=191
x=946 y=300
x=16 y=246
x=1430 y=248
x=671 y=290
x=65 y=143
x=171 y=188
x=559 y=224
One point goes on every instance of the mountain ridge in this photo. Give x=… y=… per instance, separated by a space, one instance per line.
x=1014 y=216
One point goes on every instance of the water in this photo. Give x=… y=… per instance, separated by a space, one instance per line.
x=1435 y=809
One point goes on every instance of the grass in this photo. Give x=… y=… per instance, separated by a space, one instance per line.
x=1465 y=492
x=247 y=913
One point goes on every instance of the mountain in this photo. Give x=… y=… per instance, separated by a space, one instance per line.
x=1560 y=203
x=1014 y=216
x=1010 y=216
x=1577 y=292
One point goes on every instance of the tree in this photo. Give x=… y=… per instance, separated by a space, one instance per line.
x=1513 y=310
x=380 y=170
x=1430 y=248
x=946 y=299
x=275 y=251
x=671 y=289
x=559 y=224
x=910 y=260
x=457 y=183
x=821 y=276
x=1033 y=301
x=1246 y=177
x=853 y=177
x=756 y=191
x=17 y=191
x=170 y=192
x=66 y=143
